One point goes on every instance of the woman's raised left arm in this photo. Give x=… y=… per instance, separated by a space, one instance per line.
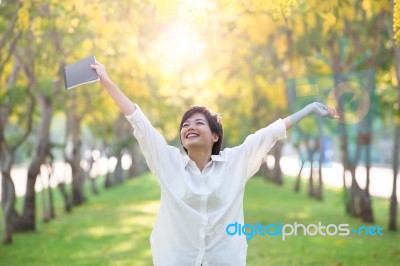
x=313 y=108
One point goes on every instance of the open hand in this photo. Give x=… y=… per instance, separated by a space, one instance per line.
x=324 y=110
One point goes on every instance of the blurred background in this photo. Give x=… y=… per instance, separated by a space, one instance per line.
x=251 y=61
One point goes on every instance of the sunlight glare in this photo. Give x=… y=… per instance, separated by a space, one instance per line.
x=177 y=47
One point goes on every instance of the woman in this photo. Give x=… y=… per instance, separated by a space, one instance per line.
x=201 y=191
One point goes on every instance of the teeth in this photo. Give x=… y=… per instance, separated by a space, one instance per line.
x=191 y=135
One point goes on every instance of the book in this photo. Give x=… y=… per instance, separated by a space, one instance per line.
x=80 y=73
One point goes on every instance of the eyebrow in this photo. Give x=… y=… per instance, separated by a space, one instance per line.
x=197 y=119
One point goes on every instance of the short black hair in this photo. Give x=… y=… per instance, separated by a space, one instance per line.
x=214 y=120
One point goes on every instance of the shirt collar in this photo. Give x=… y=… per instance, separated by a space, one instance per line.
x=215 y=158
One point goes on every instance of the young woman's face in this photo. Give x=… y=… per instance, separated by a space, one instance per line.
x=196 y=133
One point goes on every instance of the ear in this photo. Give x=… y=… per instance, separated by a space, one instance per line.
x=215 y=137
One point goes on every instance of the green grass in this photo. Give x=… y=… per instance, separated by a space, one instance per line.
x=113 y=229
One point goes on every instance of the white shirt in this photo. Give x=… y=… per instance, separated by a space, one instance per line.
x=196 y=206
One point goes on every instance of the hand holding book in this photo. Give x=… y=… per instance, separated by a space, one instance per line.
x=80 y=73
x=101 y=71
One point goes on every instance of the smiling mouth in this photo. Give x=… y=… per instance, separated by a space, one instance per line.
x=191 y=135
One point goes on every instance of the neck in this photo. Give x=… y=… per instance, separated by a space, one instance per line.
x=200 y=157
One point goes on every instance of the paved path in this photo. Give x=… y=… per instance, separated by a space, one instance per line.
x=381 y=179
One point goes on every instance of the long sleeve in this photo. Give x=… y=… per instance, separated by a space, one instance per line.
x=151 y=142
x=257 y=145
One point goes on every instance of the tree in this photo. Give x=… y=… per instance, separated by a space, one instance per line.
x=18 y=119
x=394 y=34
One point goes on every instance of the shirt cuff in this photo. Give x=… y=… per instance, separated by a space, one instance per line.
x=136 y=116
x=279 y=127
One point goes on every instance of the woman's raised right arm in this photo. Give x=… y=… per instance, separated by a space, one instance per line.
x=124 y=103
x=152 y=143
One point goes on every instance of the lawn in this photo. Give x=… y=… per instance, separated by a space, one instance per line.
x=113 y=229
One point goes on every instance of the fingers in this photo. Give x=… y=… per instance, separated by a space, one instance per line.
x=327 y=111
x=332 y=113
x=96 y=63
x=97 y=66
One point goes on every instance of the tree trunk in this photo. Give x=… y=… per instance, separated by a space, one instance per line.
x=78 y=177
x=310 y=153
x=78 y=174
x=345 y=158
x=52 y=212
x=7 y=190
x=108 y=182
x=311 y=181
x=365 y=139
x=119 y=146
x=277 y=171
x=355 y=199
x=92 y=179
x=393 y=197
x=133 y=169
x=46 y=216
x=354 y=204
x=321 y=147
x=12 y=220
x=263 y=171
x=41 y=151
x=367 y=214
x=298 y=178
x=396 y=148
x=8 y=203
x=354 y=193
x=64 y=194
x=118 y=171
x=93 y=185
x=319 y=192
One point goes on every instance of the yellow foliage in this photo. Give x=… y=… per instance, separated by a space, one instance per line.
x=381 y=5
x=59 y=22
x=166 y=9
x=327 y=6
x=260 y=82
x=87 y=45
x=367 y=6
x=276 y=94
x=311 y=20
x=257 y=29
x=298 y=25
x=75 y=22
x=396 y=21
x=281 y=45
x=329 y=21
x=280 y=8
x=348 y=11
x=23 y=16
x=36 y=28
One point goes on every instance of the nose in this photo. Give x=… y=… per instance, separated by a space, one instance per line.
x=191 y=126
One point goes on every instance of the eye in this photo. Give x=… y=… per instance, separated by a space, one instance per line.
x=200 y=123
x=185 y=125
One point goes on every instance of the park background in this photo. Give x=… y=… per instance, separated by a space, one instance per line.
x=251 y=61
